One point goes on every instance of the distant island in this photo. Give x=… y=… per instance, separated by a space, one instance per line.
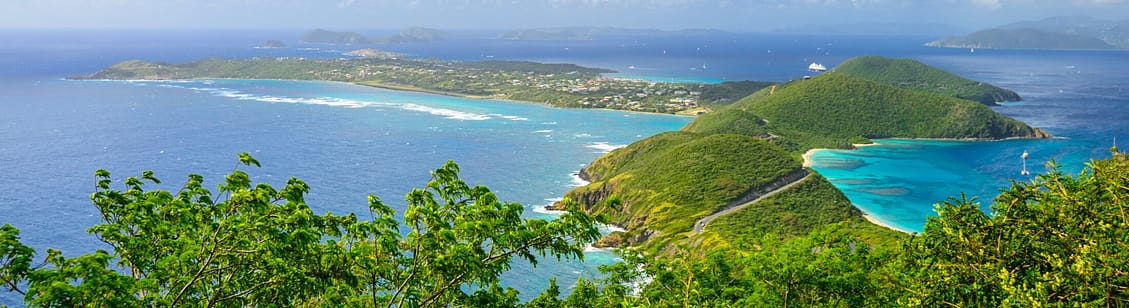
x=333 y=37
x=374 y=53
x=560 y=85
x=590 y=33
x=1068 y=32
x=875 y=28
x=736 y=174
x=272 y=44
x=410 y=35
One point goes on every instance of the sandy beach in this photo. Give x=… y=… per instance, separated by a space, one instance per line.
x=808 y=163
x=807 y=155
x=873 y=220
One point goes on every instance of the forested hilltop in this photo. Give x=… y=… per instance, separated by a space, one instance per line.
x=556 y=84
x=673 y=187
x=914 y=75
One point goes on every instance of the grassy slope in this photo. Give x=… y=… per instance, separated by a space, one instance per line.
x=804 y=209
x=914 y=75
x=831 y=110
x=671 y=180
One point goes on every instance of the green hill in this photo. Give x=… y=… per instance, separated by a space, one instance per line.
x=333 y=37
x=914 y=75
x=835 y=109
x=670 y=180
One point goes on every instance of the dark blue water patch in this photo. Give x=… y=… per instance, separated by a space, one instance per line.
x=57 y=132
x=886 y=191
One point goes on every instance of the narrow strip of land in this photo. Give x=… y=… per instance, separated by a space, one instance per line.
x=701 y=224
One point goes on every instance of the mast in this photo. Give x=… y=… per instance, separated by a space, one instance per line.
x=1024 y=157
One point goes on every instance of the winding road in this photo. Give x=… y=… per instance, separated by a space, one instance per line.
x=701 y=224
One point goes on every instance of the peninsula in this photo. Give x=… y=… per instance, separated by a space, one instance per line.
x=733 y=176
x=559 y=85
x=914 y=75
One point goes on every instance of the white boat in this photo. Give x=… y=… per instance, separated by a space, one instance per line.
x=1024 y=171
x=816 y=67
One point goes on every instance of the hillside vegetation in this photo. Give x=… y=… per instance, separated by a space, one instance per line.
x=1056 y=241
x=834 y=110
x=670 y=181
x=914 y=75
x=556 y=84
x=842 y=107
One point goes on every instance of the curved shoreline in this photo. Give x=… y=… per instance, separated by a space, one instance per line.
x=854 y=146
x=809 y=161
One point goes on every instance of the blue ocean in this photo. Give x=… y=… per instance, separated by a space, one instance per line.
x=348 y=141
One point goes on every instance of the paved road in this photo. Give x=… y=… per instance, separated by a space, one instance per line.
x=701 y=224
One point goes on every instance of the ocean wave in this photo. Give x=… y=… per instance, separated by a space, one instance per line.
x=604 y=147
x=448 y=113
x=510 y=117
x=541 y=208
x=577 y=181
x=336 y=102
x=544 y=131
x=612 y=228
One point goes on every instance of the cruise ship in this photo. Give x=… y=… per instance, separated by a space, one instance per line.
x=816 y=67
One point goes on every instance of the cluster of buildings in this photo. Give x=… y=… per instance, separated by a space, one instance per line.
x=567 y=89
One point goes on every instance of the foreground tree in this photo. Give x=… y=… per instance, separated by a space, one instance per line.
x=1057 y=240
x=252 y=244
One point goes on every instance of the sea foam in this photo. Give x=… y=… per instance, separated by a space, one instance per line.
x=604 y=147
x=338 y=102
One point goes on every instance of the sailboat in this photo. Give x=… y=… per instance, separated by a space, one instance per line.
x=1024 y=156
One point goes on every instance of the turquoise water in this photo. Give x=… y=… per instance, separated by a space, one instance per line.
x=899 y=181
x=1080 y=97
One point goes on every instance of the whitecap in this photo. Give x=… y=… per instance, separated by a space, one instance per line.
x=612 y=228
x=549 y=201
x=604 y=147
x=448 y=113
x=591 y=249
x=510 y=117
x=541 y=209
x=577 y=181
x=347 y=103
x=543 y=131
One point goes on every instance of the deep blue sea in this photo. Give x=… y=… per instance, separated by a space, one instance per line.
x=347 y=141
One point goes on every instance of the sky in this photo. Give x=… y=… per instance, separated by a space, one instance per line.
x=734 y=15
